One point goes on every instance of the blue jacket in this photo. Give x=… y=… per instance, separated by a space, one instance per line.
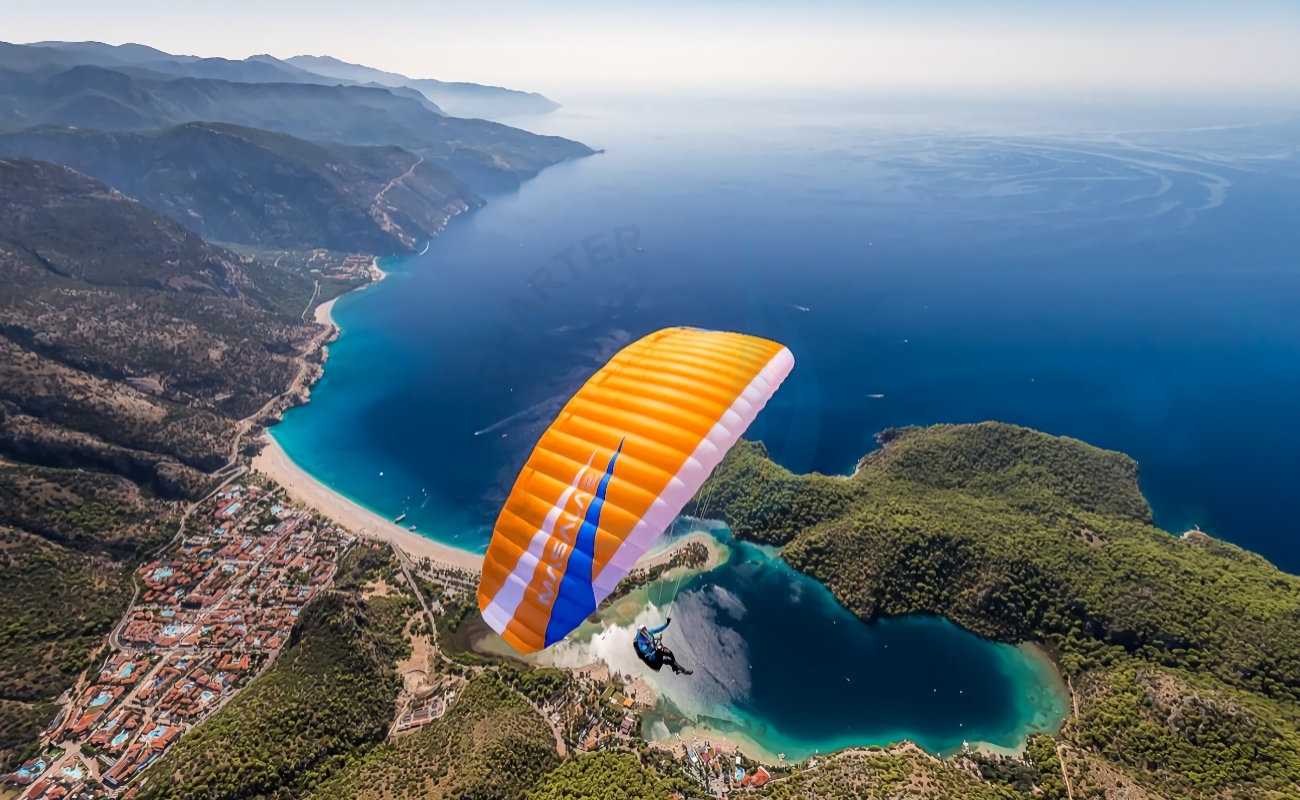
x=645 y=645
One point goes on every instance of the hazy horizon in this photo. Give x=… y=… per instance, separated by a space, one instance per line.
x=1246 y=49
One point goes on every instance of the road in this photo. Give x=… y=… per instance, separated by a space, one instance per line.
x=404 y=560
x=377 y=207
x=315 y=293
x=1069 y=787
x=379 y=198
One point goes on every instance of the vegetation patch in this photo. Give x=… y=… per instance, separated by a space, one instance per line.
x=608 y=776
x=489 y=744
x=1191 y=645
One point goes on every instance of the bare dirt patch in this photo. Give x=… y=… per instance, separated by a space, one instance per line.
x=1091 y=537
x=378 y=588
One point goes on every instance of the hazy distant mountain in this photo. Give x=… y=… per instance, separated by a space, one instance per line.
x=457 y=99
x=120 y=53
x=246 y=186
x=485 y=154
x=147 y=62
x=42 y=59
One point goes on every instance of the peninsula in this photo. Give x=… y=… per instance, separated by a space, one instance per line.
x=1179 y=650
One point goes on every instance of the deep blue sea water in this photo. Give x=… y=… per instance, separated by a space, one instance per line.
x=1135 y=286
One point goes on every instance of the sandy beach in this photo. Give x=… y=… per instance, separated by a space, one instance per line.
x=274 y=462
x=663 y=551
x=322 y=312
x=277 y=465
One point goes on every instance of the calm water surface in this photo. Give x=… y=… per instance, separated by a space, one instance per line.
x=1138 y=290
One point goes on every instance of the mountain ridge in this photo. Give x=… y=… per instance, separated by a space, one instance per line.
x=458 y=98
x=247 y=186
x=486 y=155
x=467 y=99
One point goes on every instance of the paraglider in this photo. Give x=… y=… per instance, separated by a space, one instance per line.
x=652 y=651
x=606 y=479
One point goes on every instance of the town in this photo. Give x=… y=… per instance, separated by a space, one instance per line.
x=213 y=613
x=208 y=617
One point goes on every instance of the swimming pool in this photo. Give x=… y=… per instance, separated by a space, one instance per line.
x=120 y=739
x=33 y=771
x=104 y=697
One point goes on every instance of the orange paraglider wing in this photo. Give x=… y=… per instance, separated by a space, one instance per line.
x=612 y=472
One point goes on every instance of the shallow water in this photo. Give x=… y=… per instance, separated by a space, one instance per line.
x=781 y=667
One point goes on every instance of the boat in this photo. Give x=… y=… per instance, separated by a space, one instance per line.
x=411 y=528
x=400 y=517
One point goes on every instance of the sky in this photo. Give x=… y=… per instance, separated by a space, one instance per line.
x=726 y=45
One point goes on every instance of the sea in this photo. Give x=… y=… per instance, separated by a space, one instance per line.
x=1126 y=272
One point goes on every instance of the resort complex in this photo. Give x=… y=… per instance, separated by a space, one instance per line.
x=210 y=615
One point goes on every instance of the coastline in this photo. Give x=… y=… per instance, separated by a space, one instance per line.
x=664 y=551
x=275 y=463
x=324 y=312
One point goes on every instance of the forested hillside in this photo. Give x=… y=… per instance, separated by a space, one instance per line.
x=490 y=743
x=241 y=185
x=129 y=350
x=1185 y=651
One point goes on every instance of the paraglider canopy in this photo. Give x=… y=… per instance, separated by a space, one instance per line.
x=612 y=472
